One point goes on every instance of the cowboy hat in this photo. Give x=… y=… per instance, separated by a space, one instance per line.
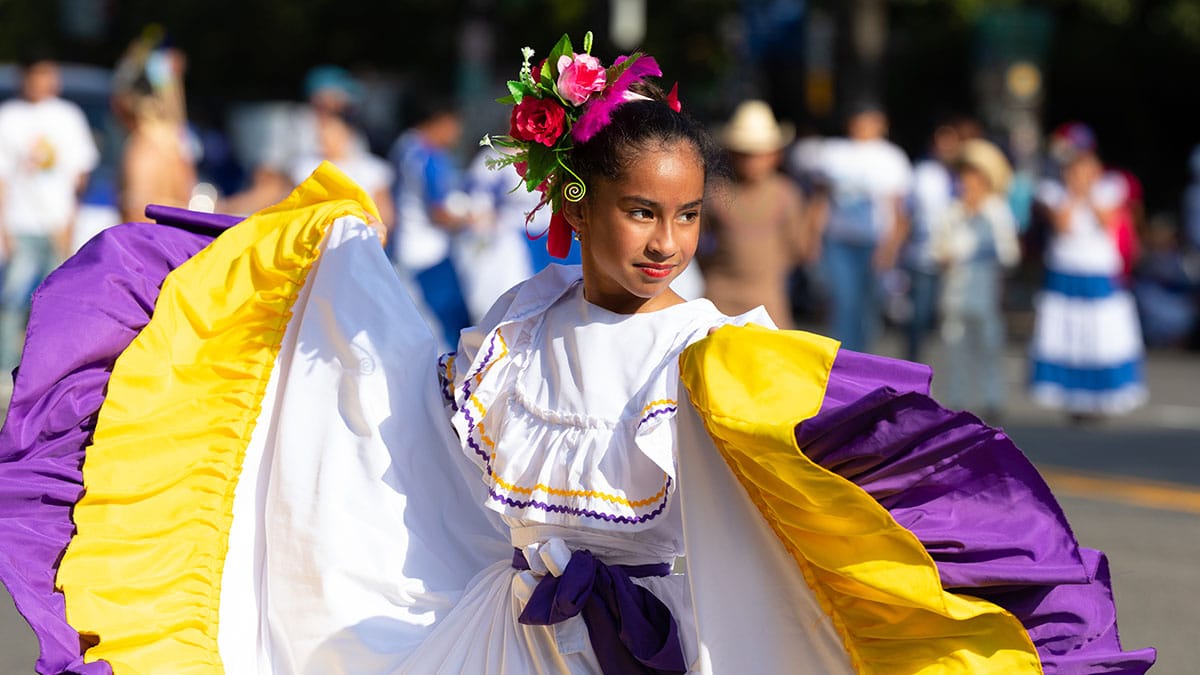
x=988 y=160
x=753 y=130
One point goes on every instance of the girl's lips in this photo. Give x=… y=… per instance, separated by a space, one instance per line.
x=656 y=271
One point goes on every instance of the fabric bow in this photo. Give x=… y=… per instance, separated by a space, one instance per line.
x=630 y=629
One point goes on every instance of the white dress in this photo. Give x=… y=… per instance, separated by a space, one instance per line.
x=567 y=409
x=1087 y=343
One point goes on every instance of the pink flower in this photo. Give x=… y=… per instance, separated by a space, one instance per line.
x=579 y=76
x=537 y=119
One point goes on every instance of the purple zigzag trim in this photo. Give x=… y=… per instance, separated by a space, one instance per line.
x=656 y=413
x=483 y=364
x=446 y=377
x=471 y=424
x=554 y=508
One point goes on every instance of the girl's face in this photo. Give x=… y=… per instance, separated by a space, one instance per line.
x=975 y=186
x=1082 y=173
x=639 y=232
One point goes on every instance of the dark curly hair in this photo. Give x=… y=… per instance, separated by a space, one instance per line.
x=638 y=126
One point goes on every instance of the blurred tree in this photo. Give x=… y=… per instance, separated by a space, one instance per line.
x=23 y=23
x=1114 y=63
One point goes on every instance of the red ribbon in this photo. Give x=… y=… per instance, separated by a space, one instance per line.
x=558 y=239
x=673 y=98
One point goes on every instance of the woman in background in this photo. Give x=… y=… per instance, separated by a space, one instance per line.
x=1087 y=342
x=159 y=164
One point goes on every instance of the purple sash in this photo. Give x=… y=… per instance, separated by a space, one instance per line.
x=631 y=631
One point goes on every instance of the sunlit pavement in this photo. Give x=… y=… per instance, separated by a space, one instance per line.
x=1129 y=485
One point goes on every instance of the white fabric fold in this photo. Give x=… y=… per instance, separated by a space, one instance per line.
x=361 y=543
x=754 y=612
x=362 y=526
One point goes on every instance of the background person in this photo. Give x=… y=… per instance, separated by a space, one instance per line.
x=291 y=134
x=754 y=232
x=975 y=242
x=933 y=193
x=430 y=206
x=337 y=142
x=867 y=179
x=158 y=164
x=1087 y=343
x=46 y=153
x=498 y=250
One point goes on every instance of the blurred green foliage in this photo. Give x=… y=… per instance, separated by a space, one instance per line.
x=1121 y=65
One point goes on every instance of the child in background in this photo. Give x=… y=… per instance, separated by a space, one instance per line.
x=977 y=240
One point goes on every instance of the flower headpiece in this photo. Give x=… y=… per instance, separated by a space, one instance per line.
x=567 y=99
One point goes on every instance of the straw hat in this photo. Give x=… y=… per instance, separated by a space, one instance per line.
x=988 y=159
x=753 y=130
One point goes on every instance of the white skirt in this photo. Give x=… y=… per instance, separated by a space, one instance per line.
x=1087 y=346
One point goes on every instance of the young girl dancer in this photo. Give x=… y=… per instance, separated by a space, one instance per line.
x=628 y=483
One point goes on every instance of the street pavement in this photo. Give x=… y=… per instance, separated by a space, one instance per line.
x=1130 y=486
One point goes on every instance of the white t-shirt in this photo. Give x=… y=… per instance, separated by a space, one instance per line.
x=44 y=148
x=864 y=178
x=932 y=196
x=425 y=179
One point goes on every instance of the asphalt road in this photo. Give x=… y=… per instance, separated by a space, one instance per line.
x=1129 y=486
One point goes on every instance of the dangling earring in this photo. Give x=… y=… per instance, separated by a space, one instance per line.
x=578 y=237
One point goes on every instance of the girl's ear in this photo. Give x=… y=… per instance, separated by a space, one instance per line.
x=575 y=214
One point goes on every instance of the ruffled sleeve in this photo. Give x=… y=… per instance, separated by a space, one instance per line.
x=469 y=382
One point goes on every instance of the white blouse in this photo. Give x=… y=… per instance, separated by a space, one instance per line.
x=568 y=409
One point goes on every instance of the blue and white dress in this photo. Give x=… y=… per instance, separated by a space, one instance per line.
x=1087 y=346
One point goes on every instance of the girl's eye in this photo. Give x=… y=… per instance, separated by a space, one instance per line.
x=690 y=216
x=641 y=214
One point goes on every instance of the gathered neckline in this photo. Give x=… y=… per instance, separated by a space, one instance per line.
x=704 y=303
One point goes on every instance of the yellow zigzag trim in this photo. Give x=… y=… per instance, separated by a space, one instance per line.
x=541 y=487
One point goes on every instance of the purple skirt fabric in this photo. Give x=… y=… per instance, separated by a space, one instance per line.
x=975 y=502
x=83 y=316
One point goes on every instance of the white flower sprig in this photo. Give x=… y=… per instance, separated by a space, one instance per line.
x=526 y=75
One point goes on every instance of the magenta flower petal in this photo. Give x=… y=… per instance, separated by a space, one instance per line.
x=597 y=113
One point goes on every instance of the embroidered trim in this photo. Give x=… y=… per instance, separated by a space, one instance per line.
x=446 y=375
x=540 y=487
x=553 y=508
x=477 y=439
x=486 y=364
x=667 y=406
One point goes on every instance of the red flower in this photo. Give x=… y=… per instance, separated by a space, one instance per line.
x=537 y=119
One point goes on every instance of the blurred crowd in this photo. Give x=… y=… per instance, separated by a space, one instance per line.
x=846 y=234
